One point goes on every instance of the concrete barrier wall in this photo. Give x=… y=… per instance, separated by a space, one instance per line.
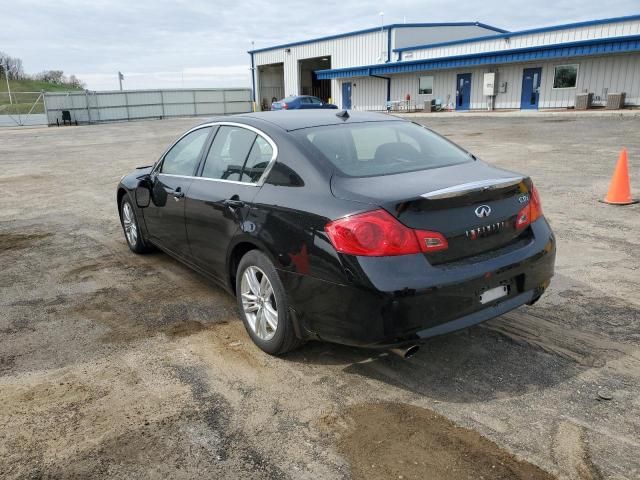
x=96 y=107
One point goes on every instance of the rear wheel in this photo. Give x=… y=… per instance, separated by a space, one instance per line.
x=131 y=227
x=263 y=305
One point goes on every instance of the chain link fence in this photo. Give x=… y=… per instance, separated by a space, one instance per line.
x=22 y=108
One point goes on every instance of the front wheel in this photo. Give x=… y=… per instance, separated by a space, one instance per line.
x=131 y=227
x=263 y=305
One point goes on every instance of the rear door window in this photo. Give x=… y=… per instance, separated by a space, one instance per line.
x=228 y=153
x=259 y=157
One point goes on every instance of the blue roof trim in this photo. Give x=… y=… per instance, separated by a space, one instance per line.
x=522 y=32
x=561 y=50
x=377 y=29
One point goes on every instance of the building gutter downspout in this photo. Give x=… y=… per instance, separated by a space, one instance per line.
x=253 y=82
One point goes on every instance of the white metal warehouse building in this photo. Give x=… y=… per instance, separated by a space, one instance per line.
x=533 y=69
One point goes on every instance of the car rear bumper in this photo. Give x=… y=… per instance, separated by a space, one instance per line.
x=391 y=301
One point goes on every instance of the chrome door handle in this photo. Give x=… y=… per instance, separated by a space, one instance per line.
x=177 y=194
x=233 y=203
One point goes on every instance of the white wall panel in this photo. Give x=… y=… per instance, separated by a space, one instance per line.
x=109 y=99
x=209 y=96
x=411 y=36
x=178 y=96
x=145 y=111
x=237 y=95
x=364 y=49
x=619 y=73
x=143 y=98
x=615 y=29
x=137 y=104
x=598 y=75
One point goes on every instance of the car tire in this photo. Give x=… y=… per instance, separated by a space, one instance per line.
x=261 y=300
x=131 y=227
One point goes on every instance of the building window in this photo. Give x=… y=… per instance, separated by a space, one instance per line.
x=426 y=86
x=565 y=76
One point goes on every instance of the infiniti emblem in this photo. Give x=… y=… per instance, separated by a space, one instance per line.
x=483 y=211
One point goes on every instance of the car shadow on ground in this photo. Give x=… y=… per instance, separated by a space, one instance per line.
x=473 y=365
x=574 y=328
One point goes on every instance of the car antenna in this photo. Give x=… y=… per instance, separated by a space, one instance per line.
x=343 y=114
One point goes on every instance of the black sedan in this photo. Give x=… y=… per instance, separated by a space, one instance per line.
x=356 y=228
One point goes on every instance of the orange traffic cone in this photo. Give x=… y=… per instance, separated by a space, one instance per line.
x=620 y=188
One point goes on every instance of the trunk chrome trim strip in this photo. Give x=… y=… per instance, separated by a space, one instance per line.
x=463 y=188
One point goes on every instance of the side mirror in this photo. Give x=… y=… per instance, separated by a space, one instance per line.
x=143 y=191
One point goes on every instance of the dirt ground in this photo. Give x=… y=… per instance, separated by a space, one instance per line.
x=127 y=366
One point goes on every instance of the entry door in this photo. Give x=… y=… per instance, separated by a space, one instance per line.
x=219 y=200
x=346 y=95
x=463 y=91
x=164 y=217
x=530 y=88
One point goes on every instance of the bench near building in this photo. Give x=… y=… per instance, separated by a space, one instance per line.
x=463 y=66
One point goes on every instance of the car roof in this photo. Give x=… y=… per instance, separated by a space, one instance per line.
x=297 y=119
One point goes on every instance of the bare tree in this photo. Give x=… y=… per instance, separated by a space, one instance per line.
x=11 y=66
x=51 y=76
x=75 y=81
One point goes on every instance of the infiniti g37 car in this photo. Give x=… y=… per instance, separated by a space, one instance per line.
x=356 y=228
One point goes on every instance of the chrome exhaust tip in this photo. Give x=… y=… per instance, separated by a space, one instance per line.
x=405 y=352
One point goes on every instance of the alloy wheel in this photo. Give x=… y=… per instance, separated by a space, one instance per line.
x=129 y=223
x=259 y=303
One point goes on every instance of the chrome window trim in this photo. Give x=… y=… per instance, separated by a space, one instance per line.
x=255 y=130
x=210 y=179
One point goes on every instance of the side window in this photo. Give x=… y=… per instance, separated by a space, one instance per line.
x=259 y=157
x=305 y=100
x=565 y=76
x=315 y=100
x=184 y=155
x=228 y=153
x=425 y=86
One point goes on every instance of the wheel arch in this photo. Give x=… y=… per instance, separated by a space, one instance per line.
x=121 y=193
x=238 y=250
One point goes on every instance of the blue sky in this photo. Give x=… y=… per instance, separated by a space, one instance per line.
x=203 y=43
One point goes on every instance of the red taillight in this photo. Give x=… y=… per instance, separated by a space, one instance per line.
x=378 y=234
x=284 y=105
x=532 y=211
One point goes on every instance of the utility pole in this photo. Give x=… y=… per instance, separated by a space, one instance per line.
x=6 y=75
x=120 y=78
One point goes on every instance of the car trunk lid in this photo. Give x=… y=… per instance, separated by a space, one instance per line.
x=474 y=205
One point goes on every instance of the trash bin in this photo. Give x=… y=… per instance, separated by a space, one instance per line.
x=427 y=106
x=583 y=101
x=615 y=101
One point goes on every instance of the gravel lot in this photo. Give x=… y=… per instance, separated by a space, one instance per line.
x=127 y=366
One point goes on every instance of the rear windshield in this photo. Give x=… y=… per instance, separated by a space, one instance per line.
x=381 y=148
